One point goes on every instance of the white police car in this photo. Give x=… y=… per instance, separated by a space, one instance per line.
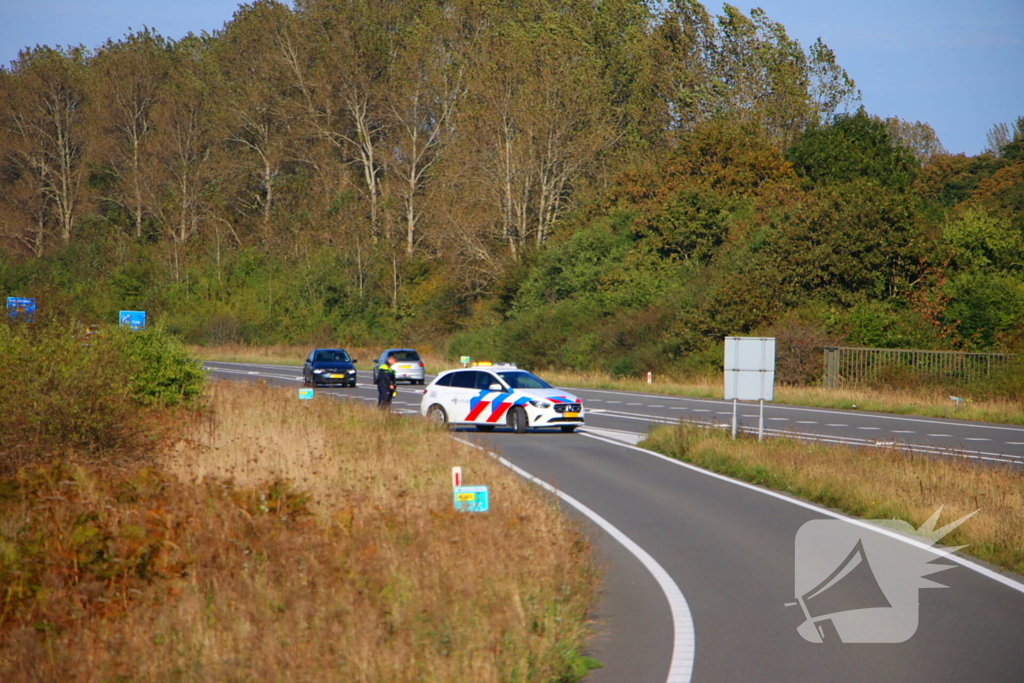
x=499 y=395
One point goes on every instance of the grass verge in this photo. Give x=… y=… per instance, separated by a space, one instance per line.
x=870 y=483
x=282 y=540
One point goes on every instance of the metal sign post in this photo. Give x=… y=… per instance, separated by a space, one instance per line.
x=749 y=375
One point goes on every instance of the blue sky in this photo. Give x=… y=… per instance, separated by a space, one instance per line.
x=956 y=65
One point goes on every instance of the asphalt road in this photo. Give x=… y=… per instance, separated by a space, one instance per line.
x=729 y=547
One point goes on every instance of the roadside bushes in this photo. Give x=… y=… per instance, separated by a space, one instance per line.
x=61 y=393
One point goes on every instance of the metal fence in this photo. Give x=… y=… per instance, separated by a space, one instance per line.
x=847 y=365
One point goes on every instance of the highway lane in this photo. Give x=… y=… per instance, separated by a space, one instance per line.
x=729 y=548
x=631 y=414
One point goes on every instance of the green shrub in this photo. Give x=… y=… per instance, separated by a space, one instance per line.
x=159 y=369
x=61 y=393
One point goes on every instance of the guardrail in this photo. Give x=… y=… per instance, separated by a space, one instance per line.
x=849 y=365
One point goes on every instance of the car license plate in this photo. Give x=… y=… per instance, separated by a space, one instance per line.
x=336 y=376
x=572 y=414
x=404 y=367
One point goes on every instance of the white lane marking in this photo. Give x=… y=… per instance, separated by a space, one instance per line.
x=974 y=438
x=903 y=431
x=727 y=412
x=778 y=419
x=969 y=564
x=684 y=643
x=701 y=410
x=677 y=407
x=634 y=404
x=655 y=406
x=871 y=429
x=807 y=422
x=613 y=401
x=942 y=435
x=836 y=424
x=1015 y=443
x=632 y=438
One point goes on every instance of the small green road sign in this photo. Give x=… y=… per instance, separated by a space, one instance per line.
x=465 y=360
x=471 y=498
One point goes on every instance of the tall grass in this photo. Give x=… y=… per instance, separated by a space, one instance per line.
x=284 y=540
x=870 y=483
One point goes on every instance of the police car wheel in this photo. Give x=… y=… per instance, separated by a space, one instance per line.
x=437 y=415
x=485 y=428
x=568 y=429
x=517 y=420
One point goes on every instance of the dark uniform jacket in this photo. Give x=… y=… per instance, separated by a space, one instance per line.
x=385 y=380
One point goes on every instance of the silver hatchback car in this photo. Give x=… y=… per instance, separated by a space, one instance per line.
x=408 y=368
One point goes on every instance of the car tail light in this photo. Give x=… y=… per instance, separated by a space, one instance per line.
x=424 y=391
x=421 y=364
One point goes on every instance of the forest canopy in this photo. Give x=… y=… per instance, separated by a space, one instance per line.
x=572 y=183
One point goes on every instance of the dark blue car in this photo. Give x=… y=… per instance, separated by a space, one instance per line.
x=329 y=366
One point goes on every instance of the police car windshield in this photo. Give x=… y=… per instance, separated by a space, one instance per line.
x=521 y=379
x=331 y=357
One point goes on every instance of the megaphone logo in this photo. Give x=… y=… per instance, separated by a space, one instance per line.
x=856 y=584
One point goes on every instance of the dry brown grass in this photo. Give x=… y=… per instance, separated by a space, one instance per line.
x=928 y=402
x=359 y=570
x=871 y=483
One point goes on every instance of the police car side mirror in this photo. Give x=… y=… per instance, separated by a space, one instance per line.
x=495 y=387
x=354 y=360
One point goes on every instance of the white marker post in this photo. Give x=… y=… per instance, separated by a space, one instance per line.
x=650 y=378
x=749 y=374
x=456 y=477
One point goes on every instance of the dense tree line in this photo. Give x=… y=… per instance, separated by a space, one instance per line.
x=346 y=169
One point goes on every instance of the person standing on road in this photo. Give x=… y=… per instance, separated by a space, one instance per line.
x=386 y=383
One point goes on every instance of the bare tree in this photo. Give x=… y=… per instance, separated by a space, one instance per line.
x=44 y=113
x=130 y=74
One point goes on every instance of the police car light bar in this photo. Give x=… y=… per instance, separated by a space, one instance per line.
x=489 y=364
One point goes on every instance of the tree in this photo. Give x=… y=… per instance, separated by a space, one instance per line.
x=130 y=74
x=260 y=111
x=917 y=136
x=44 y=116
x=852 y=147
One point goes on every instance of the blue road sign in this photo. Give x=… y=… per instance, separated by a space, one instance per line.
x=471 y=498
x=133 y=319
x=305 y=394
x=21 y=307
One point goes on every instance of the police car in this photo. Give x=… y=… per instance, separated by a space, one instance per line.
x=500 y=394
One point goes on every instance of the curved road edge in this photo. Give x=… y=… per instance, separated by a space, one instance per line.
x=973 y=565
x=684 y=637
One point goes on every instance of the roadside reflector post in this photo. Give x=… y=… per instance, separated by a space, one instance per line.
x=760 y=422
x=456 y=477
x=734 y=402
x=650 y=378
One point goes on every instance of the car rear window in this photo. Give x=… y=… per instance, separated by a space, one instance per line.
x=405 y=355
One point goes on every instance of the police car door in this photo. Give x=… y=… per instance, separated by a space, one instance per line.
x=460 y=395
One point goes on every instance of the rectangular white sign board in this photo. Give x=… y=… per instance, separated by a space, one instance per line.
x=749 y=368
